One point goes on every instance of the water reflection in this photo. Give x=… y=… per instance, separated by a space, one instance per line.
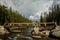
x=24 y=35
x=16 y=38
x=25 y=31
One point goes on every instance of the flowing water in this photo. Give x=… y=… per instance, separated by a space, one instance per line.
x=25 y=31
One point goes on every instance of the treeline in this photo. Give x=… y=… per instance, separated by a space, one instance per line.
x=52 y=16
x=8 y=15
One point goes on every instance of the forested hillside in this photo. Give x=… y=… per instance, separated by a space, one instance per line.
x=52 y=16
x=7 y=15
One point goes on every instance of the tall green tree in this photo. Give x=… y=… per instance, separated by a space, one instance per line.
x=54 y=15
x=8 y=15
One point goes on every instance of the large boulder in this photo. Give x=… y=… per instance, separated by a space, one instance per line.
x=2 y=31
x=56 y=32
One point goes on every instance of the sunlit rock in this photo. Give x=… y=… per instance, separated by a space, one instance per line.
x=2 y=31
x=56 y=32
x=36 y=30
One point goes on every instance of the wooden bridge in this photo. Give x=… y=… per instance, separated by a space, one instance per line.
x=16 y=26
x=33 y=23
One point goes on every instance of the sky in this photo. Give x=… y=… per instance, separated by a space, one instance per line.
x=31 y=9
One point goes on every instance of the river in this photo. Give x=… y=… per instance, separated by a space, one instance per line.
x=25 y=31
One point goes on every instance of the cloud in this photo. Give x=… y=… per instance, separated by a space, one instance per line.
x=43 y=7
x=29 y=8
